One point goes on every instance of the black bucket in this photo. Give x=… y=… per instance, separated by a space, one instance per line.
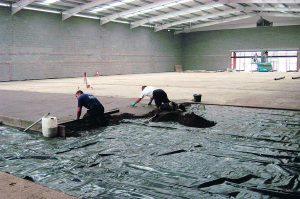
x=197 y=97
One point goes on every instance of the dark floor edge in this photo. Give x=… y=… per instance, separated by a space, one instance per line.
x=19 y=123
x=244 y=106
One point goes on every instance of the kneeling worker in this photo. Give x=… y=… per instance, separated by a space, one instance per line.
x=158 y=95
x=95 y=108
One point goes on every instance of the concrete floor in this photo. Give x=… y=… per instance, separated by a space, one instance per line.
x=29 y=100
x=32 y=99
x=12 y=187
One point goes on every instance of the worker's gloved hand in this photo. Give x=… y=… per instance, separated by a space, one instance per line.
x=133 y=104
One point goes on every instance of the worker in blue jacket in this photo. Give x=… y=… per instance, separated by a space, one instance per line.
x=90 y=102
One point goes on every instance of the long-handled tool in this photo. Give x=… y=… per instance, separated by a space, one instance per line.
x=279 y=78
x=36 y=122
x=149 y=120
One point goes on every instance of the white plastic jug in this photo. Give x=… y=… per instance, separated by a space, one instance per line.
x=49 y=126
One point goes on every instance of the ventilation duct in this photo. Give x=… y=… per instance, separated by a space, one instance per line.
x=263 y=22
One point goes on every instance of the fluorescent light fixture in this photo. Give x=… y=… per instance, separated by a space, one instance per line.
x=280 y=6
x=148 y=26
x=172 y=4
x=48 y=2
x=86 y=16
x=4 y=4
x=112 y=5
x=42 y=10
x=126 y=22
x=119 y=21
x=157 y=8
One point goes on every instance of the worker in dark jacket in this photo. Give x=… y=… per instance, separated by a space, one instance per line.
x=95 y=108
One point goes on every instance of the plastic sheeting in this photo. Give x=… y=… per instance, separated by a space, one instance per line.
x=250 y=153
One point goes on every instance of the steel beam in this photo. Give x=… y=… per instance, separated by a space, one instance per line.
x=272 y=9
x=191 y=28
x=109 y=18
x=258 y=1
x=16 y=7
x=175 y=13
x=279 y=14
x=203 y=17
x=71 y=12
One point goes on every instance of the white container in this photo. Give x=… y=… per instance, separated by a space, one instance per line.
x=49 y=126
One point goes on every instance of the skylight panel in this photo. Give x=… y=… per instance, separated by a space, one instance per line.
x=157 y=8
x=48 y=2
x=111 y=5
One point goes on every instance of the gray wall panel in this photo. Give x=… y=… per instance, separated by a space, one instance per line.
x=210 y=50
x=36 y=45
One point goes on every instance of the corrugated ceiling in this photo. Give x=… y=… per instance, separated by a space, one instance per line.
x=180 y=15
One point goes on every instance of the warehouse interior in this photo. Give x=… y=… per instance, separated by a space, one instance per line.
x=55 y=39
x=242 y=57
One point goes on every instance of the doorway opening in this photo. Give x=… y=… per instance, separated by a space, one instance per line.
x=281 y=60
